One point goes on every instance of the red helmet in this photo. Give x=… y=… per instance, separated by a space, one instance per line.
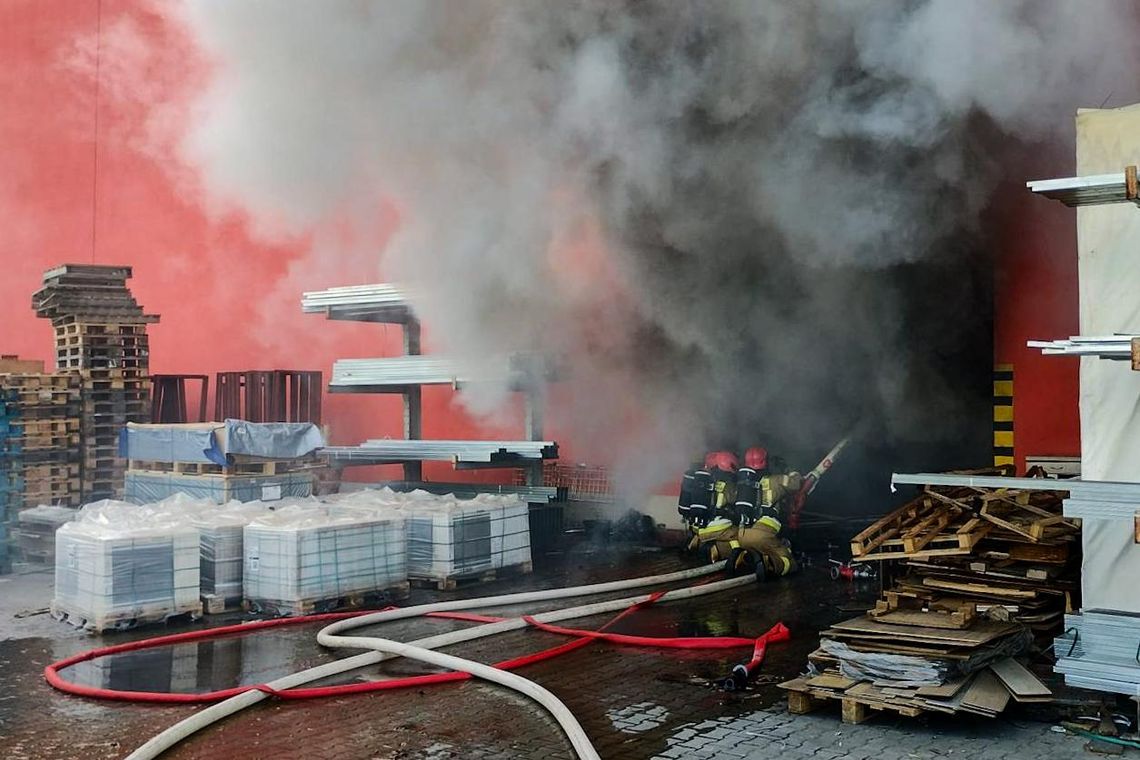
x=756 y=458
x=722 y=460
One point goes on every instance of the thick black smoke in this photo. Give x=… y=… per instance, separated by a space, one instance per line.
x=738 y=221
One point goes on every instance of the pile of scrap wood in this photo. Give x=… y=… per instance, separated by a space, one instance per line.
x=1009 y=554
x=982 y=574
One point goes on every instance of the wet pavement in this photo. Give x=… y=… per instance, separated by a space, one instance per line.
x=634 y=703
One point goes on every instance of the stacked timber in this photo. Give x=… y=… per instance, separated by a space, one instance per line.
x=100 y=334
x=39 y=435
x=982 y=576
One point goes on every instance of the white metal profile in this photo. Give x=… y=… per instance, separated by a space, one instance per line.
x=1092 y=190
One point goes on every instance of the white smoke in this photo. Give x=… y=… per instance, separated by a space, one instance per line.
x=710 y=208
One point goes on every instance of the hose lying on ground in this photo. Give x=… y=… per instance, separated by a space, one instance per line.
x=382 y=649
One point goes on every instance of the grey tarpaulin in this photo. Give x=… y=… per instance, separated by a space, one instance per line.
x=211 y=442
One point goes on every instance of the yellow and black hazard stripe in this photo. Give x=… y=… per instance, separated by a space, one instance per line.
x=1003 y=415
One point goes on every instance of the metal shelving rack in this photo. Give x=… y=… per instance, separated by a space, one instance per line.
x=406 y=376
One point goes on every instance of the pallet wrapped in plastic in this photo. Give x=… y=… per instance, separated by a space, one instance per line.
x=220 y=533
x=145 y=487
x=35 y=532
x=302 y=559
x=452 y=538
x=121 y=565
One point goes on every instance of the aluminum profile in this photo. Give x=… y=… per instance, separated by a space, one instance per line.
x=470 y=453
x=1118 y=347
x=464 y=490
x=361 y=303
x=1100 y=490
x=1099 y=651
x=1092 y=190
x=397 y=374
x=1097 y=509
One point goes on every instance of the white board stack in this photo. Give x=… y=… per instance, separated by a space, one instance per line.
x=303 y=559
x=120 y=565
x=220 y=533
x=451 y=539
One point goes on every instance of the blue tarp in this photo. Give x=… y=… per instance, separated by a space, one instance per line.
x=212 y=442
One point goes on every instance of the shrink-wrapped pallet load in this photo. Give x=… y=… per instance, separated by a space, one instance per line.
x=303 y=558
x=120 y=565
x=451 y=538
x=220 y=533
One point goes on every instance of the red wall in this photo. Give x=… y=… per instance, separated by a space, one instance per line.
x=228 y=299
x=1036 y=297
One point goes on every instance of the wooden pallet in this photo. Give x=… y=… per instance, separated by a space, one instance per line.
x=859 y=701
x=364 y=600
x=217 y=605
x=244 y=468
x=451 y=582
x=99 y=328
x=125 y=620
x=1017 y=514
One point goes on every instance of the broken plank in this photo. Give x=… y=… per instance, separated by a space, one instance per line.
x=1023 y=685
x=831 y=681
x=946 y=690
x=952 y=620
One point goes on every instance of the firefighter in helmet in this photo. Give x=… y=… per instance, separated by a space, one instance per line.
x=740 y=522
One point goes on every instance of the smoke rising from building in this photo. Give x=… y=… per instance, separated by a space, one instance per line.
x=735 y=220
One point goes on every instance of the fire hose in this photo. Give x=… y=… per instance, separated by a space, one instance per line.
x=383 y=649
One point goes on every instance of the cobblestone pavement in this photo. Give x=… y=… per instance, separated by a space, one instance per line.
x=634 y=703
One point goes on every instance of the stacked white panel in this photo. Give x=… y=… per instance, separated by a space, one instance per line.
x=109 y=578
x=453 y=538
x=298 y=557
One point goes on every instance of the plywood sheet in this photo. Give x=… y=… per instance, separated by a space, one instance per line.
x=986 y=694
x=981 y=632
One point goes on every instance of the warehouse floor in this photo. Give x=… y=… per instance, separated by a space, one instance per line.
x=634 y=703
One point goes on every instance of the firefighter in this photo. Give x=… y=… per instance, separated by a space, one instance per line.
x=708 y=492
x=746 y=529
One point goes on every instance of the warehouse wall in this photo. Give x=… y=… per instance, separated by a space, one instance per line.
x=1035 y=297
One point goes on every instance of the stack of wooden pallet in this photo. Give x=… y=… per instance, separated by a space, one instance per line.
x=100 y=334
x=1006 y=553
x=39 y=434
x=986 y=692
x=981 y=573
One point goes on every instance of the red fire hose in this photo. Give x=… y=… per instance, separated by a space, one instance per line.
x=582 y=638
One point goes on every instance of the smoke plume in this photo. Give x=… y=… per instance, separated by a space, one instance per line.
x=736 y=221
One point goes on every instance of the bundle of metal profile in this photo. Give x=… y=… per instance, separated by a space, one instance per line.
x=533 y=494
x=1107 y=347
x=1098 y=651
x=1092 y=190
x=364 y=303
x=396 y=373
x=484 y=453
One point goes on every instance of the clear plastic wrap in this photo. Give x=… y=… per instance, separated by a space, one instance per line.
x=145 y=486
x=35 y=532
x=301 y=558
x=119 y=565
x=220 y=532
x=450 y=537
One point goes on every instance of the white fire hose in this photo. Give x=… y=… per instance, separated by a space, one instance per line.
x=383 y=649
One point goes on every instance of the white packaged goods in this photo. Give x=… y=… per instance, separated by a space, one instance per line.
x=35 y=532
x=119 y=565
x=450 y=537
x=303 y=558
x=220 y=533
